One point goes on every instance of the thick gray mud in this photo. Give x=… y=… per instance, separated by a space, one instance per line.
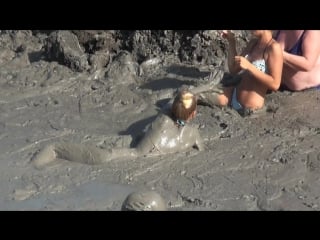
x=267 y=161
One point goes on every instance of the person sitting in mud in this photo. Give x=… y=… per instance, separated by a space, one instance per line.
x=257 y=70
x=301 y=58
x=168 y=133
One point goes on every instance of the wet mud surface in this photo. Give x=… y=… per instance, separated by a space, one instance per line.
x=267 y=161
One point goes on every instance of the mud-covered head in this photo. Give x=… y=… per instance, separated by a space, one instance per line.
x=184 y=106
x=144 y=201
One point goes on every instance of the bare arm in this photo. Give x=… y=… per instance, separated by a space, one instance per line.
x=274 y=64
x=310 y=50
x=232 y=51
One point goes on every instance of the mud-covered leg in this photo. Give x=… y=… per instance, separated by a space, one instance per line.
x=213 y=84
x=80 y=153
x=209 y=99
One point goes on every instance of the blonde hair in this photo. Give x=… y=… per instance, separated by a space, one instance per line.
x=185 y=103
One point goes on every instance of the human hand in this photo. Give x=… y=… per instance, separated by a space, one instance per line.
x=286 y=55
x=227 y=34
x=242 y=62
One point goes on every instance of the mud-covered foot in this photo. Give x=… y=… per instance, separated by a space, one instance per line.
x=208 y=99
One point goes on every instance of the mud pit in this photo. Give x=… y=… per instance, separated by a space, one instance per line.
x=269 y=161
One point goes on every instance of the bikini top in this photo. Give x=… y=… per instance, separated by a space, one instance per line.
x=297 y=48
x=260 y=64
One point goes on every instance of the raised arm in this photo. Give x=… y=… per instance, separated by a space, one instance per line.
x=232 y=51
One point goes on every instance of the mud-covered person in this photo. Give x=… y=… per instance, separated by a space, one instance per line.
x=259 y=67
x=170 y=132
x=301 y=58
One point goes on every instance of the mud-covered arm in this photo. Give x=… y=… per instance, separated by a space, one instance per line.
x=198 y=140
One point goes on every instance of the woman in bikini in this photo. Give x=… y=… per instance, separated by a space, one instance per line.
x=301 y=58
x=260 y=67
x=169 y=133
